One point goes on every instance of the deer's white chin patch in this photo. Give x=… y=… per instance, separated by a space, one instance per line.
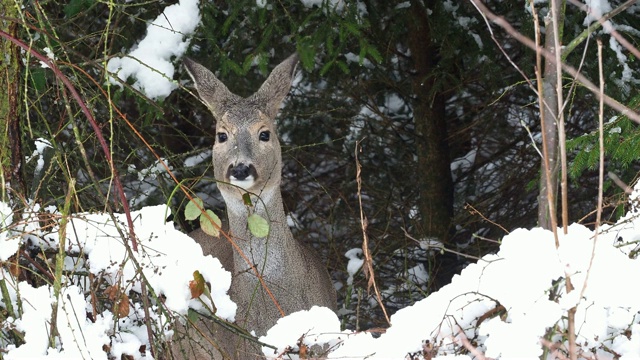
x=246 y=184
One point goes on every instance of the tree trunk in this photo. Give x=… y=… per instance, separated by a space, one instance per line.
x=10 y=144
x=547 y=200
x=433 y=167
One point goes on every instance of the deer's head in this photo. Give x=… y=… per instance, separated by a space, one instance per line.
x=246 y=153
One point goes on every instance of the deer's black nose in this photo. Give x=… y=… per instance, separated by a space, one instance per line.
x=240 y=171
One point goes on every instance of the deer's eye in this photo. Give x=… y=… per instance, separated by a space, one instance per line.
x=222 y=137
x=265 y=135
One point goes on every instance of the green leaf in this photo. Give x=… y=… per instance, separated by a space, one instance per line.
x=258 y=226
x=192 y=210
x=235 y=67
x=38 y=79
x=207 y=226
x=192 y=315
x=74 y=7
x=352 y=28
x=246 y=198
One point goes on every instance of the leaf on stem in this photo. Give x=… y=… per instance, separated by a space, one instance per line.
x=209 y=227
x=258 y=226
x=193 y=209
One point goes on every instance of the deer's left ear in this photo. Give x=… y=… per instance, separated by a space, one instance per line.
x=277 y=85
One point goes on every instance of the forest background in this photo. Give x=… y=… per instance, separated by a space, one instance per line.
x=422 y=115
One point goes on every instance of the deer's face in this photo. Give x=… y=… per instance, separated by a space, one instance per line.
x=246 y=153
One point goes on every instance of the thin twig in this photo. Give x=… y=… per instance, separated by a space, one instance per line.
x=558 y=25
x=441 y=247
x=94 y=125
x=600 y=171
x=467 y=345
x=475 y=211
x=368 y=260
x=621 y=184
x=500 y=21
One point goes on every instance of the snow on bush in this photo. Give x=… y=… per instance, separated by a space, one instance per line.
x=149 y=62
x=167 y=258
x=505 y=304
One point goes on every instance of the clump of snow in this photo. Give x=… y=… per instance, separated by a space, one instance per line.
x=9 y=243
x=149 y=62
x=508 y=301
x=351 y=57
x=38 y=153
x=197 y=158
x=50 y=55
x=317 y=326
x=148 y=179
x=354 y=264
x=72 y=324
x=337 y=5
x=596 y=9
x=167 y=258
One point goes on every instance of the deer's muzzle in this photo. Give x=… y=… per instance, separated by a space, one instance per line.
x=242 y=175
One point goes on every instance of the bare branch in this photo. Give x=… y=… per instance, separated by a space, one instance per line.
x=500 y=21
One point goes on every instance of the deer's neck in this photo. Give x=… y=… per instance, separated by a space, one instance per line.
x=267 y=254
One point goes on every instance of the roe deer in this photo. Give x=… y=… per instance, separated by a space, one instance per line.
x=247 y=159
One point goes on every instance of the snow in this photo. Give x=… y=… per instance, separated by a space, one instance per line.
x=354 y=264
x=149 y=62
x=522 y=278
x=167 y=258
x=504 y=304
x=50 y=55
x=337 y=5
x=597 y=8
x=9 y=244
x=197 y=158
x=38 y=153
x=318 y=325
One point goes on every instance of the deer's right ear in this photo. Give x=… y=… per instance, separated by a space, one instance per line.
x=212 y=92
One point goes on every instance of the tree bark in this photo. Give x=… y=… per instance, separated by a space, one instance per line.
x=547 y=199
x=10 y=142
x=433 y=167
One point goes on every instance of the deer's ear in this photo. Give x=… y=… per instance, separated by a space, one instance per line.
x=277 y=85
x=212 y=92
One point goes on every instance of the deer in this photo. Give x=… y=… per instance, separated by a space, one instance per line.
x=247 y=160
